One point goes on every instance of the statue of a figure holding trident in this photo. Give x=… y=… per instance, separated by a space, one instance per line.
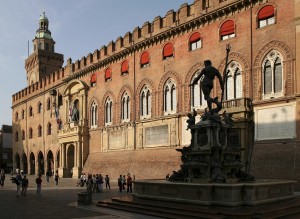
x=210 y=73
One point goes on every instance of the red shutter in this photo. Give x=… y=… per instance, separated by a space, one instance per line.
x=168 y=50
x=227 y=28
x=124 y=67
x=145 y=58
x=266 y=12
x=195 y=37
x=94 y=78
x=107 y=74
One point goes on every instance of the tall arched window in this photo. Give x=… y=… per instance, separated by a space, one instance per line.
x=49 y=129
x=39 y=131
x=272 y=75
x=39 y=107
x=145 y=103
x=234 y=85
x=23 y=114
x=195 y=41
x=30 y=133
x=125 y=114
x=30 y=111
x=170 y=98
x=197 y=96
x=23 y=135
x=168 y=51
x=227 y=30
x=94 y=115
x=266 y=16
x=108 y=112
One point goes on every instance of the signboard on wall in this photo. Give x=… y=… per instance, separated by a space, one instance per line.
x=275 y=122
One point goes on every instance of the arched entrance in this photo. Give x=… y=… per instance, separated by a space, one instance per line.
x=32 y=164
x=41 y=164
x=25 y=164
x=50 y=162
x=17 y=161
x=70 y=160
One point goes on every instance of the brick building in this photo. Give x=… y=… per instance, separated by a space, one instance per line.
x=123 y=108
x=6 y=148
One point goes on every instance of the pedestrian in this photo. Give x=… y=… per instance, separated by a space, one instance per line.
x=38 y=185
x=47 y=176
x=94 y=179
x=56 y=179
x=18 y=181
x=100 y=183
x=123 y=182
x=2 y=178
x=120 y=184
x=129 y=183
x=107 y=182
x=24 y=185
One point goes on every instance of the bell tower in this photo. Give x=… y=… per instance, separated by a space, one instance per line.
x=44 y=60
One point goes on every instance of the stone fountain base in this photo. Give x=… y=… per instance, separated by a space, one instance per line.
x=221 y=194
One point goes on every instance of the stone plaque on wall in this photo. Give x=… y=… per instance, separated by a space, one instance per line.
x=275 y=122
x=158 y=135
x=116 y=140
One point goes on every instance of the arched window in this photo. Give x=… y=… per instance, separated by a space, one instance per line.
x=39 y=131
x=227 y=30
x=272 y=75
x=124 y=67
x=94 y=115
x=125 y=114
x=234 y=85
x=39 y=107
x=48 y=103
x=197 y=96
x=23 y=135
x=93 y=80
x=17 y=136
x=145 y=103
x=30 y=133
x=30 y=111
x=16 y=116
x=108 y=112
x=23 y=114
x=49 y=129
x=168 y=51
x=195 y=41
x=145 y=60
x=108 y=74
x=170 y=98
x=266 y=16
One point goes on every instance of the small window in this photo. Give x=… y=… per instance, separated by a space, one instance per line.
x=30 y=133
x=23 y=135
x=49 y=129
x=17 y=117
x=145 y=60
x=39 y=107
x=23 y=114
x=17 y=136
x=227 y=30
x=168 y=51
x=124 y=68
x=266 y=16
x=108 y=74
x=195 y=41
x=93 y=80
x=48 y=104
x=40 y=131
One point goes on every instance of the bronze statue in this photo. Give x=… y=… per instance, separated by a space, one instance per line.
x=75 y=113
x=191 y=119
x=209 y=73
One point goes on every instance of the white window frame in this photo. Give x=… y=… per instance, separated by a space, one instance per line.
x=170 y=97
x=108 y=112
x=94 y=115
x=125 y=111
x=234 y=70
x=197 y=96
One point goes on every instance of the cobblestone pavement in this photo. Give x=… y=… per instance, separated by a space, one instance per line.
x=59 y=202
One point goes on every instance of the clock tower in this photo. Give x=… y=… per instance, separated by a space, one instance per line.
x=44 y=60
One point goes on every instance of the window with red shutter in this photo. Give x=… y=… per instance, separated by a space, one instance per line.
x=168 y=51
x=93 y=80
x=145 y=60
x=124 y=67
x=108 y=74
x=195 y=41
x=266 y=16
x=227 y=30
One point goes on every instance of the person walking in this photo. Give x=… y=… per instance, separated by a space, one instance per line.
x=38 y=185
x=56 y=179
x=24 y=185
x=18 y=181
x=120 y=184
x=129 y=183
x=2 y=178
x=107 y=182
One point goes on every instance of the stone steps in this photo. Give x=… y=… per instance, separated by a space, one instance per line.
x=288 y=209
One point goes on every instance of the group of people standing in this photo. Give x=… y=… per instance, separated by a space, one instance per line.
x=96 y=181
x=123 y=181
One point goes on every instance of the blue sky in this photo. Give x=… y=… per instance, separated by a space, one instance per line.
x=78 y=27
